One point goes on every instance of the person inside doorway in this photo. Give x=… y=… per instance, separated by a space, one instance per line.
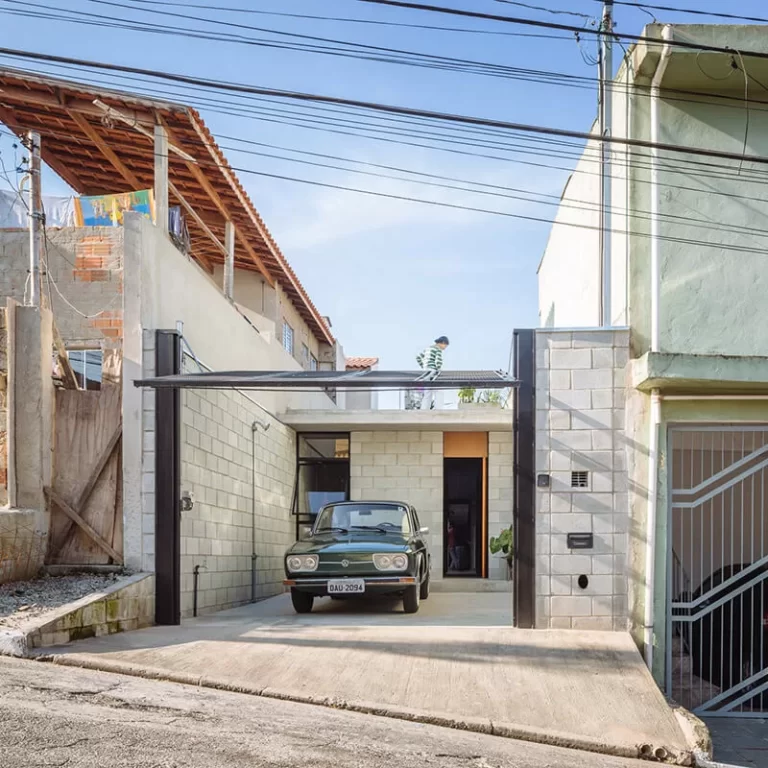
x=453 y=558
x=431 y=361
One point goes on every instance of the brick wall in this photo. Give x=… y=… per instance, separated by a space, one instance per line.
x=580 y=427
x=85 y=265
x=217 y=456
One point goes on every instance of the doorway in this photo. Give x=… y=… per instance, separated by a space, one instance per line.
x=463 y=517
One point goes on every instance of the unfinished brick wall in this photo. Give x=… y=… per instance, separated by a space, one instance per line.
x=85 y=266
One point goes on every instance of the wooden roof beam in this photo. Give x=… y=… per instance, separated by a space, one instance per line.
x=193 y=213
x=105 y=150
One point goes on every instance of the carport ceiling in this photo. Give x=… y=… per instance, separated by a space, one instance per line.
x=374 y=380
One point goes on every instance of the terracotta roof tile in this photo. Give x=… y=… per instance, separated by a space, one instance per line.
x=361 y=363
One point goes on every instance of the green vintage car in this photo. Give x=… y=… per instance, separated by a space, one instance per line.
x=358 y=548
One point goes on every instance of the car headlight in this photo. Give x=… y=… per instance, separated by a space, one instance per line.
x=384 y=562
x=302 y=562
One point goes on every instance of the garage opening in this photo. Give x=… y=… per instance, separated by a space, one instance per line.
x=717 y=644
x=221 y=444
x=464 y=518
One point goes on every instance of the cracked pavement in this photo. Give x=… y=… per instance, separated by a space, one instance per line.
x=53 y=716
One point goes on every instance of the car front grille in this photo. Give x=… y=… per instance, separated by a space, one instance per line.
x=346 y=563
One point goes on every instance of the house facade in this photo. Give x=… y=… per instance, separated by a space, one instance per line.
x=686 y=278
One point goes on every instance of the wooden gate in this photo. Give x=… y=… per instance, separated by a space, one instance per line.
x=85 y=500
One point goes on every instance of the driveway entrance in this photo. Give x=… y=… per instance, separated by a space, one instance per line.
x=458 y=662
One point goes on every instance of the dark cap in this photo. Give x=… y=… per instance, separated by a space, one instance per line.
x=442 y=340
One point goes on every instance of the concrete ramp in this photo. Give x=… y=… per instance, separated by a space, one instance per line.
x=457 y=663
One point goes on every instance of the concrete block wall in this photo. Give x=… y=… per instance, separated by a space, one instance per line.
x=408 y=466
x=86 y=265
x=580 y=398
x=501 y=473
x=220 y=464
x=402 y=466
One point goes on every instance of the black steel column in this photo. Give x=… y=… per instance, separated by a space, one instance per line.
x=167 y=481
x=525 y=480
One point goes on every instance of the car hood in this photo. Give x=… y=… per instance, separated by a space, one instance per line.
x=354 y=541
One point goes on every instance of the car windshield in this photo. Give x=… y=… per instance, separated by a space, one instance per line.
x=384 y=517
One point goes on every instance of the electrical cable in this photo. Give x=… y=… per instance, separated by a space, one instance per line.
x=385 y=108
x=487 y=156
x=556 y=25
x=693 y=11
x=554 y=11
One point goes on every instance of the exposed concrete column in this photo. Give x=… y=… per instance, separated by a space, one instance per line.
x=161 y=177
x=229 y=261
x=31 y=403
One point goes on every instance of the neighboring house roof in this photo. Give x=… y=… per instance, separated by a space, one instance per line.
x=361 y=363
x=100 y=142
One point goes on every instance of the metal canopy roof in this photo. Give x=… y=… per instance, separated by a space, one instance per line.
x=331 y=379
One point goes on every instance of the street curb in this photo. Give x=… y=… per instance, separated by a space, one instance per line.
x=650 y=752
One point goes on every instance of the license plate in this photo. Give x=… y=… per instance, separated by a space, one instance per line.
x=346 y=587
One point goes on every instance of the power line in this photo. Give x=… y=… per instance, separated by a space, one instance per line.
x=559 y=26
x=348 y=49
x=506 y=214
x=331 y=126
x=543 y=9
x=385 y=108
x=464 y=66
x=346 y=19
x=692 y=11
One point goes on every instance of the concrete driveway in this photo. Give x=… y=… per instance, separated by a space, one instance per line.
x=458 y=662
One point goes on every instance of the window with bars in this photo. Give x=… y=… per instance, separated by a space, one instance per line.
x=580 y=479
x=288 y=337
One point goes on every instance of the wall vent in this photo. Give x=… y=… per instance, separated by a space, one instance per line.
x=580 y=479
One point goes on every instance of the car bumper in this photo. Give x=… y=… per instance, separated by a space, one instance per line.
x=373 y=584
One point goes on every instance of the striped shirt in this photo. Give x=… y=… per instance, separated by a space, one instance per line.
x=431 y=359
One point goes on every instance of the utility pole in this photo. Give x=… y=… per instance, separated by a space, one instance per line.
x=605 y=120
x=35 y=217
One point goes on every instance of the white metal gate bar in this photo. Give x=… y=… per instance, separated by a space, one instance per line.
x=717 y=616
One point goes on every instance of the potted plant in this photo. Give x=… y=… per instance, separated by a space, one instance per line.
x=467 y=397
x=490 y=397
x=504 y=543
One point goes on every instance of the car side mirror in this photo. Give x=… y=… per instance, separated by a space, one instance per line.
x=424 y=531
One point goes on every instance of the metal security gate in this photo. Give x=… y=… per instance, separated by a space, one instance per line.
x=717 y=643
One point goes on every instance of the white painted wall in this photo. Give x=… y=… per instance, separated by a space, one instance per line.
x=161 y=288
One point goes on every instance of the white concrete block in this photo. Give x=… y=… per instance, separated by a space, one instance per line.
x=592 y=379
x=601 y=398
x=602 y=357
x=566 y=439
x=588 y=339
x=566 y=399
x=561 y=584
x=571 y=564
x=592 y=623
x=603 y=440
x=570 y=359
x=560 y=379
x=563 y=605
x=571 y=523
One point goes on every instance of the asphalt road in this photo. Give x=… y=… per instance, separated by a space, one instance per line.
x=56 y=716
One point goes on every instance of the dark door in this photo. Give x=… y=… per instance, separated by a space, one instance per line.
x=463 y=518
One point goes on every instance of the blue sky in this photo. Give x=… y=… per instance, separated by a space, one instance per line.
x=391 y=275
